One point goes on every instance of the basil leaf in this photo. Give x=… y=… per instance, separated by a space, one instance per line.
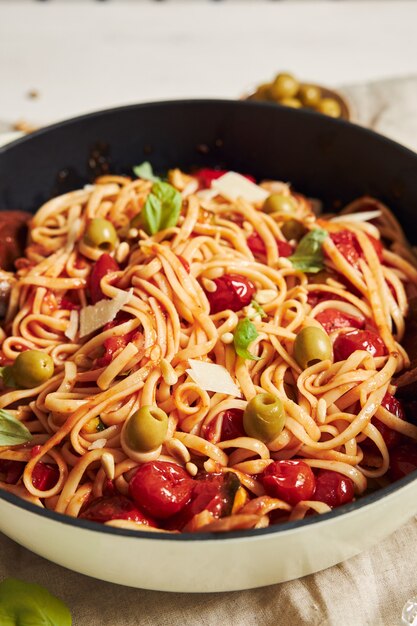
x=31 y=605
x=171 y=202
x=243 y=336
x=12 y=432
x=145 y=171
x=258 y=309
x=308 y=256
x=150 y=216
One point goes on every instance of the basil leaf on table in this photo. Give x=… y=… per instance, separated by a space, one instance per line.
x=308 y=256
x=145 y=171
x=12 y=432
x=26 y=604
x=162 y=208
x=245 y=333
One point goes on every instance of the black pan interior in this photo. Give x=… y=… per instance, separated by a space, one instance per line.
x=322 y=157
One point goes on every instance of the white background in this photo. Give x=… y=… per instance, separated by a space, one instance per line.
x=83 y=56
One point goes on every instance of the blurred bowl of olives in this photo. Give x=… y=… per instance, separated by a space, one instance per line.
x=285 y=89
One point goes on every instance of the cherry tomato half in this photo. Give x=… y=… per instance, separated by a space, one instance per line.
x=348 y=245
x=257 y=247
x=333 y=488
x=367 y=340
x=44 y=476
x=233 y=291
x=232 y=424
x=206 y=175
x=291 y=481
x=211 y=492
x=104 y=265
x=333 y=319
x=391 y=437
x=161 y=489
x=403 y=460
x=107 y=508
x=11 y=471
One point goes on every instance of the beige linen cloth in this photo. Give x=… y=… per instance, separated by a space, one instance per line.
x=368 y=590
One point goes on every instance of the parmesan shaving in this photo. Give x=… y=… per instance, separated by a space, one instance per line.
x=95 y=316
x=206 y=194
x=72 y=328
x=212 y=377
x=363 y=216
x=97 y=444
x=233 y=186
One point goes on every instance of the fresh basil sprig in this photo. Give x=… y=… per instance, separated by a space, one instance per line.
x=12 y=432
x=308 y=256
x=162 y=208
x=145 y=171
x=245 y=333
x=27 y=603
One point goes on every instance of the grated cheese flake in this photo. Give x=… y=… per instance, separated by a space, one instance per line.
x=212 y=377
x=72 y=325
x=362 y=216
x=95 y=316
x=233 y=186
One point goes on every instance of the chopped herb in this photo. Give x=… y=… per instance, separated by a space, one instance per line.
x=100 y=426
x=308 y=256
x=245 y=333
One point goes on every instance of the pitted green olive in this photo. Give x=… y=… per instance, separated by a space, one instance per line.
x=264 y=417
x=32 y=368
x=284 y=86
x=279 y=203
x=100 y=233
x=311 y=346
x=293 y=229
x=309 y=95
x=329 y=106
x=146 y=429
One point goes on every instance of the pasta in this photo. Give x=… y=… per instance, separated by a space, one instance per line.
x=220 y=356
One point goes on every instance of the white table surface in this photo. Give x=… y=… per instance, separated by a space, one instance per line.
x=85 y=55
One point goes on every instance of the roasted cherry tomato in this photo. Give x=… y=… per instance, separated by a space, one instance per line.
x=257 y=247
x=112 y=507
x=348 y=245
x=11 y=471
x=161 y=489
x=104 y=265
x=353 y=340
x=211 y=492
x=391 y=437
x=233 y=291
x=206 y=176
x=333 y=488
x=403 y=460
x=291 y=481
x=232 y=424
x=333 y=319
x=44 y=476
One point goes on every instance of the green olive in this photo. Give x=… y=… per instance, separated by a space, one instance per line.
x=146 y=429
x=32 y=368
x=294 y=103
x=293 y=229
x=262 y=92
x=284 y=86
x=264 y=417
x=100 y=233
x=329 y=106
x=311 y=346
x=278 y=203
x=309 y=95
